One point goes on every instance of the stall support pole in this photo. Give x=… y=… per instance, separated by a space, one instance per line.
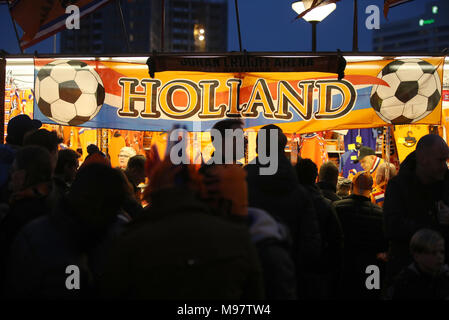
x=162 y=25
x=119 y=6
x=2 y=97
x=355 y=33
x=238 y=23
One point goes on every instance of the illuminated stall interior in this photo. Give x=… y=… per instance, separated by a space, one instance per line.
x=319 y=146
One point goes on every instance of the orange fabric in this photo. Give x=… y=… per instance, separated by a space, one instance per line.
x=36 y=191
x=159 y=139
x=228 y=182
x=115 y=144
x=374 y=168
x=378 y=194
x=43 y=13
x=314 y=147
x=95 y=158
x=86 y=138
x=445 y=122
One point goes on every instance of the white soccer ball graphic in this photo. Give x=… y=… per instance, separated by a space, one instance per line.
x=413 y=93
x=69 y=92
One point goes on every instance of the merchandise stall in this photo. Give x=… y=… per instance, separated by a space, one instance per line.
x=327 y=106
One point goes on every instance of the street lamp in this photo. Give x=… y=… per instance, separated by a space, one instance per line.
x=199 y=34
x=314 y=16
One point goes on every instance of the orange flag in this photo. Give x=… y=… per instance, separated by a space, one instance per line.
x=40 y=19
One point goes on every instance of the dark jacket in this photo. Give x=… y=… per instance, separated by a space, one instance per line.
x=7 y=156
x=283 y=197
x=29 y=205
x=273 y=244
x=178 y=250
x=329 y=190
x=413 y=284
x=50 y=244
x=409 y=206
x=362 y=226
x=329 y=268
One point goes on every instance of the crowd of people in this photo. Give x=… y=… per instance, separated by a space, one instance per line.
x=221 y=231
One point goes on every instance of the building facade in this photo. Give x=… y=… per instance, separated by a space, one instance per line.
x=190 y=25
x=427 y=32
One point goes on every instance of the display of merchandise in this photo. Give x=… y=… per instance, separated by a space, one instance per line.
x=348 y=168
x=363 y=136
x=312 y=146
x=406 y=138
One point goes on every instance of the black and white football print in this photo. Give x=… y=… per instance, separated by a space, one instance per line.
x=413 y=93
x=69 y=92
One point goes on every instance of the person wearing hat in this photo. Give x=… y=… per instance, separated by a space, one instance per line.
x=369 y=162
x=18 y=127
x=362 y=224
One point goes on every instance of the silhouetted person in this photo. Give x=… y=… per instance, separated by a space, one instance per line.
x=65 y=171
x=281 y=195
x=328 y=179
x=223 y=153
x=362 y=226
x=178 y=250
x=77 y=233
x=271 y=238
x=414 y=200
x=46 y=139
x=323 y=282
x=135 y=171
x=30 y=185
x=18 y=127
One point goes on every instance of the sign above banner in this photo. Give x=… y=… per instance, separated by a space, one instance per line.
x=122 y=95
x=246 y=63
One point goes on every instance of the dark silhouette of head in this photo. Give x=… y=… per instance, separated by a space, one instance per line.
x=329 y=173
x=223 y=127
x=19 y=126
x=67 y=164
x=307 y=171
x=97 y=194
x=31 y=166
x=46 y=139
x=362 y=184
x=281 y=140
x=135 y=170
x=432 y=153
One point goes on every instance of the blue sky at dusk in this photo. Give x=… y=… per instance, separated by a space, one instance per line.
x=270 y=25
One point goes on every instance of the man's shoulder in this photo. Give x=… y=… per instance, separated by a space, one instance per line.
x=344 y=202
x=362 y=203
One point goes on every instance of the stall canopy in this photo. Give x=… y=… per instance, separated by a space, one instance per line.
x=299 y=93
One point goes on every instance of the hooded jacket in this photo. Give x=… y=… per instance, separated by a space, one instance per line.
x=409 y=206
